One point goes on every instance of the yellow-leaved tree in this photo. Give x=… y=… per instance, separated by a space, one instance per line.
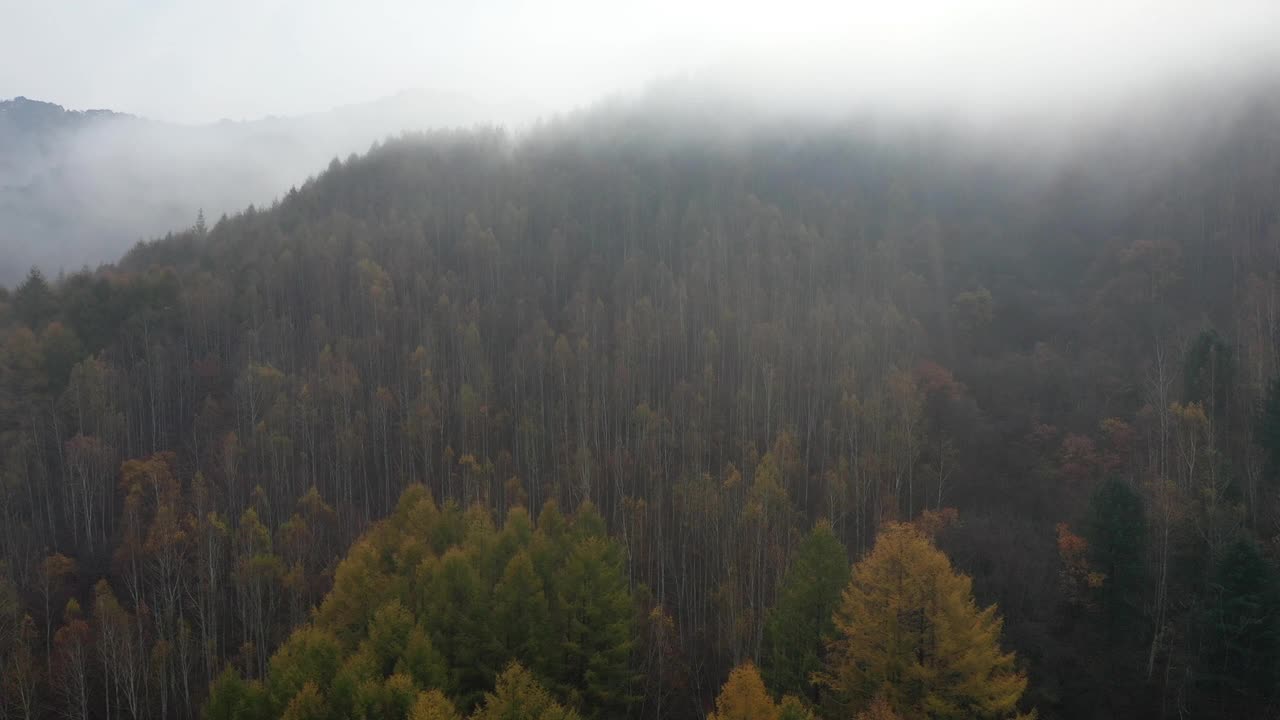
x=908 y=631
x=744 y=697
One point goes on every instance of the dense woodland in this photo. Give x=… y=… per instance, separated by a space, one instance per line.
x=637 y=417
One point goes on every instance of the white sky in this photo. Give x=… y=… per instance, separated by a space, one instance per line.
x=201 y=61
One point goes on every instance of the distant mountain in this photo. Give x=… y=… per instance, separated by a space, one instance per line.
x=80 y=187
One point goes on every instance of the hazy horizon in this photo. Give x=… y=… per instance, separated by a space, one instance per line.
x=197 y=65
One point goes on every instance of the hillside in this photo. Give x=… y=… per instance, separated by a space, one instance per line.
x=717 y=333
x=79 y=188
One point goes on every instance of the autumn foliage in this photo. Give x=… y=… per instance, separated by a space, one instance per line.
x=908 y=627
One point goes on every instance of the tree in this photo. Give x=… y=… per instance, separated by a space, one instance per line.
x=34 y=301
x=231 y=698
x=743 y=697
x=1209 y=373
x=389 y=634
x=1240 y=658
x=390 y=699
x=20 y=674
x=595 y=628
x=123 y=669
x=307 y=704
x=10 y=612
x=1266 y=431
x=1116 y=534
x=71 y=668
x=908 y=626
x=258 y=573
x=54 y=574
x=879 y=709
x=421 y=661
x=62 y=351
x=459 y=620
x=798 y=627
x=310 y=657
x=433 y=705
x=518 y=696
x=793 y=708
x=521 y=615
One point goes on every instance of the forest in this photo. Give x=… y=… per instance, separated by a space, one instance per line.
x=636 y=416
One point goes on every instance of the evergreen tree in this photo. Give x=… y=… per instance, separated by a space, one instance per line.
x=1266 y=432
x=34 y=302
x=800 y=624
x=459 y=621
x=1240 y=659
x=596 y=628
x=521 y=616
x=1116 y=533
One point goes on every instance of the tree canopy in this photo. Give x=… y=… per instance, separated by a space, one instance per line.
x=908 y=627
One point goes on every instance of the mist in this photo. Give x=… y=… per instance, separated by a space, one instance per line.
x=714 y=361
x=1004 y=82
x=198 y=64
x=79 y=189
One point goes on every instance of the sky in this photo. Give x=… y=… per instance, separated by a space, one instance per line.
x=197 y=62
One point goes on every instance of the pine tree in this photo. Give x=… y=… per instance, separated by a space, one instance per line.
x=798 y=627
x=908 y=626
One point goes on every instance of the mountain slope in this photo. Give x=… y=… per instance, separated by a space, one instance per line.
x=79 y=188
x=717 y=332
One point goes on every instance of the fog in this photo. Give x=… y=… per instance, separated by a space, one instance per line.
x=80 y=189
x=244 y=59
x=307 y=82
